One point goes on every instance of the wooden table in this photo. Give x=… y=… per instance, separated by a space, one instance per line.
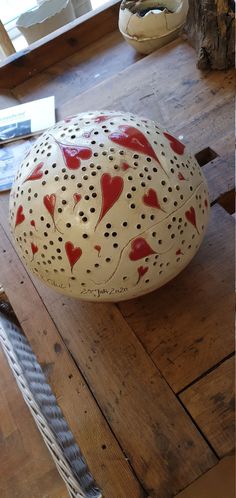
x=146 y=385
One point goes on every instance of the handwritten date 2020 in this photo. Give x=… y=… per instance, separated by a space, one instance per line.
x=101 y=292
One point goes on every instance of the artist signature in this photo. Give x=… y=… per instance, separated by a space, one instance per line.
x=100 y=292
x=51 y=281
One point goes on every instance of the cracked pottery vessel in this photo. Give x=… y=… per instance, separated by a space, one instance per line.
x=108 y=206
x=150 y=24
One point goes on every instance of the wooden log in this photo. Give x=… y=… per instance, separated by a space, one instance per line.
x=210 y=28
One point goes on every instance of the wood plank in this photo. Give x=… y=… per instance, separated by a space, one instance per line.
x=59 y=44
x=211 y=403
x=24 y=475
x=106 y=461
x=187 y=325
x=104 y=346
x=131 y=393
x=185 y=101
x=161 y=442
x=7 y=99
x=78 y=72
x=216 y=483
x=5 y=41
x=180 y=99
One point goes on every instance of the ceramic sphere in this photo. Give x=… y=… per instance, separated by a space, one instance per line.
x=108 y=206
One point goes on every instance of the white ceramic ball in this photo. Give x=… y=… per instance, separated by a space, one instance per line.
x=108 y=206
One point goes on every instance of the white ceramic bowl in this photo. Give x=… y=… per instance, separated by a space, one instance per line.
x=108 y=206
x=154 y=29
x=49 y=16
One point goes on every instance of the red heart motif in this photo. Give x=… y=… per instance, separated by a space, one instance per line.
x=140 y=249
x=111 y=187
x=175 y=144
x=33 y=223
x=87 y=134
x=97 y=248
x=133 y=139
x=34 y=248
x=125 y=166
x=142 y=270
x=73 y=153
x=151 y=199
x=191 y=217
x=20 y=217
x=180 y=176
x=67 y=120
x=73 y=253
x=178 y=252
x=100 y=119
x=77 y=198
x=36 y=174
x=49 y=203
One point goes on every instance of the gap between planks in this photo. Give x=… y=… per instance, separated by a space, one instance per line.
x=230 y=355
x=211 y=403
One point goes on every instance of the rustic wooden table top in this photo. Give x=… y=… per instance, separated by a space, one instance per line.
x=146 y=385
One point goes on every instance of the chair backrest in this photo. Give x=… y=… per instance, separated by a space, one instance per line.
x=48 y=416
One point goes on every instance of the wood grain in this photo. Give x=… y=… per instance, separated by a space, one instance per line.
x=24 y=459
x=167 y=86
x=187 y=325
x=185 y=101
x=210 y=26
x=216 y=483
x=133 y=396
x=80 y=71
x=177 y=332
x=59 y=44
x=211 y=402
x=101 y=450
x=5 y=41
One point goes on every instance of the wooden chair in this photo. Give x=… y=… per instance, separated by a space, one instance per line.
x=43 y=406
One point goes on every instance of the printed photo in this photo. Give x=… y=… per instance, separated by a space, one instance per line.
x=8 y=132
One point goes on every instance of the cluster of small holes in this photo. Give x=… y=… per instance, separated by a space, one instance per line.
x=146 y=174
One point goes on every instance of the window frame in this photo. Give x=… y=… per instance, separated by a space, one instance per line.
x=65 y=41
